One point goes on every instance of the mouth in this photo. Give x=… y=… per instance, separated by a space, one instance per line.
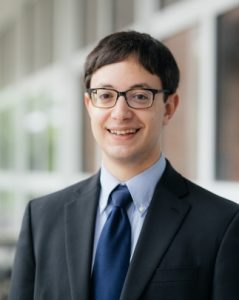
x=124 y=132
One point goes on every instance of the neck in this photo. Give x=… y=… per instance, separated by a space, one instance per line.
x=125 y=171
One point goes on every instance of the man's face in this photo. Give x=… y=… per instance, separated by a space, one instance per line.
x=129 y=137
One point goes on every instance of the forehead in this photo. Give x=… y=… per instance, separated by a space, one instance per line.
x=126 y=73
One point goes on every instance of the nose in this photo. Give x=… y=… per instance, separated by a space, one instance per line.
x=121 y=110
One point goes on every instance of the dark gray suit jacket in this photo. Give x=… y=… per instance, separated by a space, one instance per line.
x=188 y=248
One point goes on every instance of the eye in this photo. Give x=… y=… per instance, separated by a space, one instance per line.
x=139 y=95
x=105 y=95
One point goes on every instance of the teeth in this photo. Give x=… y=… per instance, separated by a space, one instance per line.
x=122 y=132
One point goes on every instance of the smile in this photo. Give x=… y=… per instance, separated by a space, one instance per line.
x=123 y=132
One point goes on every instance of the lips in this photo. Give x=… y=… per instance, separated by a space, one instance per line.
x=123 y=131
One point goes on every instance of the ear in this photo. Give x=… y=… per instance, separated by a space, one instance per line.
x=170 y=107
x=87 y=102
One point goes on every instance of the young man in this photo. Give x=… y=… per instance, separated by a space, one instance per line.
x=171 y=240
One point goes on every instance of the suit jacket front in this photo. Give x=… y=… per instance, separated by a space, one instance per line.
x=188 y=248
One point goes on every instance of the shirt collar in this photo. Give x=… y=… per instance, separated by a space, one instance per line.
x=108 y=184
x=141 y=186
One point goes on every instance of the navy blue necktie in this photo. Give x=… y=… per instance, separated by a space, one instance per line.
x=113 y=250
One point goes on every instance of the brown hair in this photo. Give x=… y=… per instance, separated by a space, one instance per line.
x=154 y=56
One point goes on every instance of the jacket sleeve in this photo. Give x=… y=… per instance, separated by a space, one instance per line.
x=23 y=274
x=226 y=275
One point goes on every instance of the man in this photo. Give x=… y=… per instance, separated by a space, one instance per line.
x=171 y=240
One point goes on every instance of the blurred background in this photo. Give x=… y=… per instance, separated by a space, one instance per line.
x=45 y=138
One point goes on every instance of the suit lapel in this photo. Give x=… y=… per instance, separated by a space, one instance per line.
x=79 y=236
x=164 y=218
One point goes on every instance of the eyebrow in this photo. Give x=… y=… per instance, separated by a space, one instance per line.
x=137 y=85
x=140 y=85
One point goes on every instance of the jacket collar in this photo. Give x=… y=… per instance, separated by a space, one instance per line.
x=80 y=215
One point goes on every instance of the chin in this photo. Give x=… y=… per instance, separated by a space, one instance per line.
x=124 y=158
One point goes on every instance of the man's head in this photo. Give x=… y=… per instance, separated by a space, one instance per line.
x=131 y=82
x=151 y=54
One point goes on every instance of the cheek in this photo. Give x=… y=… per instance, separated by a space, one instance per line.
x=97 y=119
x=153 y=121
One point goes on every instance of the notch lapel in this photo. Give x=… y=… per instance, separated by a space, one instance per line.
x=79 y=237
x=164 y=218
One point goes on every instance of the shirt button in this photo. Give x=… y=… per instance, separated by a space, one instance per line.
x=141 y=208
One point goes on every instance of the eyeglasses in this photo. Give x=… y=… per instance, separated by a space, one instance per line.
x=139 y=98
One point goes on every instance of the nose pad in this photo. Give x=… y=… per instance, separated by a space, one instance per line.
x=121 y=100
x=121 y=108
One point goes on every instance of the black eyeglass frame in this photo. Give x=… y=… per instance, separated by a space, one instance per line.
x=153 y=91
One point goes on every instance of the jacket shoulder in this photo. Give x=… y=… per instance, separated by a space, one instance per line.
x=196 y=195
x=206 y=197
x=65 y=195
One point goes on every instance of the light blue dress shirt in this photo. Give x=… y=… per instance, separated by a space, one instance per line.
x=141 y=188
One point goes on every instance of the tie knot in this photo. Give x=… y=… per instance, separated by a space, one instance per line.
x=121 y=196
